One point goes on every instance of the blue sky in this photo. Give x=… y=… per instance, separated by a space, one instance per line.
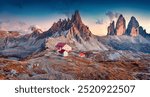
x=97 y=14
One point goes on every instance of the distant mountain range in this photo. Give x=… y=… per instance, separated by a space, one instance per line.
x=75 y=33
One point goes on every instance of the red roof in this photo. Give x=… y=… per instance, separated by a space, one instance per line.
x=61 y=51
x=81 y=54
x=60 y=45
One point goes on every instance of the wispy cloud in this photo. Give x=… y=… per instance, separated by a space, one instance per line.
x=10 y=25
x=112 y=15
x=100 y=21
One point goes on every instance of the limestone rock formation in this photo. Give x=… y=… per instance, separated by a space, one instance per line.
x=133 y=27
x=111 y=29
x=143 y=32
x=71 y=28
x=120 y=26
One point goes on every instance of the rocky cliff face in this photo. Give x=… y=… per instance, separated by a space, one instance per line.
x=143 y=32
x=111 y=29
x=133 y=27
x=120 y=26
x=71 y=28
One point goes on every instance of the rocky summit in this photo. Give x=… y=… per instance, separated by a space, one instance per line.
x=120 y=26
x=111 y=29
x=71 y=28
x=133 y=27
x=143 y=32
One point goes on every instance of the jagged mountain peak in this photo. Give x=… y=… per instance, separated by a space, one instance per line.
x=120 y=25
x=121 y=16
x=71 y=28
x=111 y=29
x=133 y=27
x=61 y=25
x=133 y=18
x=67 y=23
x=133 y=22
x=76 y=18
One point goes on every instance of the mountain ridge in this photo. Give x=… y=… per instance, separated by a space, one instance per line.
x=74 y=32
x=74 y=26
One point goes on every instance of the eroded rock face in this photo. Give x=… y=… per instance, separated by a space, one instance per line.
x=72 y=28
x=120 y=26
x=133 y=27
x=134 y=32
x=143 y=32
x=111 y=29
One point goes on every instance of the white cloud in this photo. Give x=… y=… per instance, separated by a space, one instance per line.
x=112 y=15
x=10 y=25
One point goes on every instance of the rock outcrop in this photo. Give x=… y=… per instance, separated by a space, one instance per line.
x=133 y=27
x=120 y=26
x=111 y=29
x=143 y=32
x=71 y=28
